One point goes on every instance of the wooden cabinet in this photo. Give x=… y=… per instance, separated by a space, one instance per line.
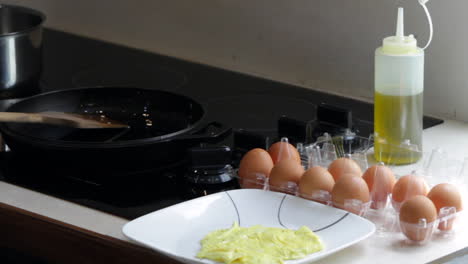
x=53 y=241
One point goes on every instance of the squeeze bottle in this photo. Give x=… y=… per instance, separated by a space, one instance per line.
x=398 y=98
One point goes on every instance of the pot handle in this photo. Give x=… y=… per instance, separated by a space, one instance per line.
x=210 y=131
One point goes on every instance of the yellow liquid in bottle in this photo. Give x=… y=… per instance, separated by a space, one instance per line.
x=396 y=119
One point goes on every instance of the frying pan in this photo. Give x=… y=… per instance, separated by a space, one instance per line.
x=162 y=126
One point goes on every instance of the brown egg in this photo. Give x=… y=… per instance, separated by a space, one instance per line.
x=445 y=195
x=283 y=150
x=283 y=173
x=313 y=181
x=344 y=166
x=254 y=168
x=412 y=210
x=407 y=187
x=350 y=188
x=380 y=180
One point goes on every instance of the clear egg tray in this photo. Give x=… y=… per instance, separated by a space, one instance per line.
x=433 y=166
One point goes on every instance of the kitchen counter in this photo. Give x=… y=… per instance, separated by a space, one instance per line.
x=449 y=136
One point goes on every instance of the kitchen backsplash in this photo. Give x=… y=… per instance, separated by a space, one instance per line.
x=319 y=44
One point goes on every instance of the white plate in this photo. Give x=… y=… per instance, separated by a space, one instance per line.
x=176 y=231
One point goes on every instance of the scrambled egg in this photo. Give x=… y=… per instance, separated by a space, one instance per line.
x=258 y=244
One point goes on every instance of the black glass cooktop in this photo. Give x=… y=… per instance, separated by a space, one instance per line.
x=259 y=111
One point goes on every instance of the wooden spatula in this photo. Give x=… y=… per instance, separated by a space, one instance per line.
x=62 y=119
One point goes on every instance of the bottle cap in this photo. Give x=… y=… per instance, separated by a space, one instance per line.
x=400 y=44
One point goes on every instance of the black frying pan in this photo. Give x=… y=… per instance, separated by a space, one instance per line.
x=162 y=126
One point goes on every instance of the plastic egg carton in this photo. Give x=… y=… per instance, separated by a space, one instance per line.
x=321 y=154
x=434 y=167
x=324 y=197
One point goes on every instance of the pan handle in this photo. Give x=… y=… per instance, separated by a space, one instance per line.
x=210 y=131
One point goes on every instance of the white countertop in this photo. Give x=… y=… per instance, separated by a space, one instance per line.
x=450 y=136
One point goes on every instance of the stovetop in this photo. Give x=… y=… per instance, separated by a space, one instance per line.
x=259 y=111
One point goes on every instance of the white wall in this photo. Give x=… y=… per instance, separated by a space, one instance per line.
x=319 y=44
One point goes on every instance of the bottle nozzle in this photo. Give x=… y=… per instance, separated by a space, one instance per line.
x=400 y=27
x=399 y=43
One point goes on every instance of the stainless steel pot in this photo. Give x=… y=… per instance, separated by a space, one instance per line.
x=20 y=51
